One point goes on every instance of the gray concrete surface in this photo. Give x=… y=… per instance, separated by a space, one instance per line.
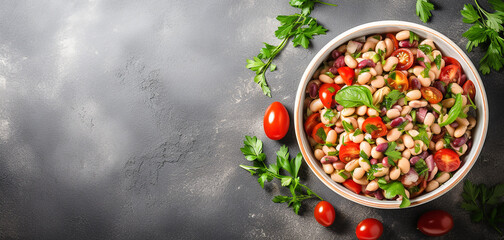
x=124 y=119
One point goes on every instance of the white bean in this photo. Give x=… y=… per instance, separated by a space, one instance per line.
x=350 y=166
x=378 y=69
x=424 y=81
x=350 y=61
x=408 y=141
x=404 y=165
x=428 y=42
x=372 y=186
x=406 y=110
x=455 y=88
x=362 y=181
x=395 y=173
x=328 y=168
x=339 y=80
x=431 y=186
x=364 y=78
x=435 y=128
x=429 y=119
x=331 y=137
x=389 y=63
x=347 y=111
x=364 y=164
x=443 y=177
x=361 y=110
x=358 y=173
x=413 y=95
x=325 y=78
x=378 y=82
x=403 y=35
x=366 y=147
x=460 y=131
x=319 y=154
x=336 y=176
x=390 y=47
x=381 y=172
x=316 y=105
x=376 y=154
x=393 y=113
x=393 y=134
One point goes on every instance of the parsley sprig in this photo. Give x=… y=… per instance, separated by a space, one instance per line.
x=252 y=150
x=423 y=10
x=484 y=203
x=300 y=27
x=487 y=30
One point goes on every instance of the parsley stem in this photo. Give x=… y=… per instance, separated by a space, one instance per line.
x=302 y=185
x=328 y=4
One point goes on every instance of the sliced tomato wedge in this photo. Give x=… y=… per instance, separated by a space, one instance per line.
x=327 y=92
x=349 y=151
x=377 y=126
x=398 y=80
x=405 y=57
x=450 y=61
x=348 y=75
x=469 y=89
x=450 y=74
x=432 y=94
x=353 y=186
x=311 y=122
x=447 y=160
x=319 y=133
x=394 y=40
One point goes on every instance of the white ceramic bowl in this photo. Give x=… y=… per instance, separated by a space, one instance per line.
x=448 y=48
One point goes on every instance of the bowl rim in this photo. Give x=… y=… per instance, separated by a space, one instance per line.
x=470 y=159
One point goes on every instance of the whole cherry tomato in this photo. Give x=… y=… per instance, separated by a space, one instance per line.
x=327 y=92
x=398 y=80
x=376 y=124
x=405 y=57
x=349 y=151
x=369 y=229
x=435 y=223
x=431 y=94
x=447 y=160
x=347 y=74
x=324 y=213
x=276 y=121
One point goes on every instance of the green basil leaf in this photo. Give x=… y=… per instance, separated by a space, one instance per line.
x=454 y=111
x=354 y=96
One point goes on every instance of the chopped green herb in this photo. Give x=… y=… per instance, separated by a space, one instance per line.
x=437 y=60
x=425 y=48
x=423 y=10
x=321 y=134
x=370 y=128
x=333 y=153
x=364 y=70
x=392 y=153
x=329 y=114
x=393 y=189
x=391 y=98
x=331 y=89
x=413 y=37
x=357 y=132
x=363 y=155
x=330 y=74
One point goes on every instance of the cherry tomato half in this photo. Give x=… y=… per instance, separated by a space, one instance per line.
x=435 y=223
x=276 y=121
x=432 y=94
x=469 y=89
x=450 y=74
x=369 y=229
x=349 y=151
x=405 y=57
x=347 y=74
x=311 y=122
x=327 y=92
x=398 y=80
x=317 y=134
x=353 y=186
x=394 y=40
x=324 y=213
x=450 y=61
x=447 y=160
x=379 y=129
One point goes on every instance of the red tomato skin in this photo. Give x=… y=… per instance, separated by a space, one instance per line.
x=324 y=213
x=311 y=122
x=431 y=94
x=314 y=132
x=349 y=149
x=353 y=186
x=347 y=74
x=369 y=229
x=469 y=89
x=450 y=61
x=435 y=223
x=377 y=121
x=450 y=74
x=276 y=121
x=326 y=96
x=447 y=160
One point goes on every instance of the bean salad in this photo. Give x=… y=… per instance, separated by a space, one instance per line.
x=389 y=117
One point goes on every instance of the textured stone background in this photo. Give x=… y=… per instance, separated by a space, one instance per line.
x=124 y=119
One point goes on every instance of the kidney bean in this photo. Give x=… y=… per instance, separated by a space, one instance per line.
x=339 y=129
x=469 y=144
x=440 y=86
x=373 y=161
x=460 y=141
x=414 y=160
x=436 y=115
x=383 y=111
x=430 y=162
x=339 y=107
x=454 y=124
x=397 y=121
x=339 y=165
x=340 y=62
x=432 y=174
x=366 y=63
x=382 y=147
x=439 y=136
x=462 y=79
x=408 y=44
x=423 y=155
x=335 y=54
x=379 y=195
x=313 y=90
x=385 y=162
x=415 y=84
x=333 y=70
x=421 y=114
